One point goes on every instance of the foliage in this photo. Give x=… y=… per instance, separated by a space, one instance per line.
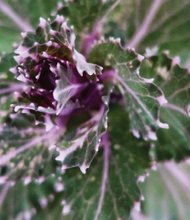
x=73 y=95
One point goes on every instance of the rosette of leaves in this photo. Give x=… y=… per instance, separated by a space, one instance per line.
x=62 y=86
x=78 y=105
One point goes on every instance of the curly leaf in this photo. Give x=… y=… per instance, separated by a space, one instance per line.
x=142 y=97
x=109 y=190
x=173 y=143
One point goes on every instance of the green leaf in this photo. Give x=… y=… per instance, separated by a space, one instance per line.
x=6 y=62
x=7 y=84
x=129 y=159
x=37 y=200
x=23 y=145
x=169 y=29
x=170 y=184
x=173 y=143
x=26 y=16
x=79 y=150
x=83 y=14
x=142 y=97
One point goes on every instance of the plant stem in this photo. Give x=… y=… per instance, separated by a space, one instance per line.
x=106 y=145
x=175 y=108
x=52 y=135
x=143 y=29
x=12 y=88
x=90 y=38
x=21 y=23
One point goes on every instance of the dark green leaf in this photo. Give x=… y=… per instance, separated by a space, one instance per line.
x=143 y=98
x=169 y=29
x=173 y=143
x=26 y=16
x=83 y=14
x=128 y=160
